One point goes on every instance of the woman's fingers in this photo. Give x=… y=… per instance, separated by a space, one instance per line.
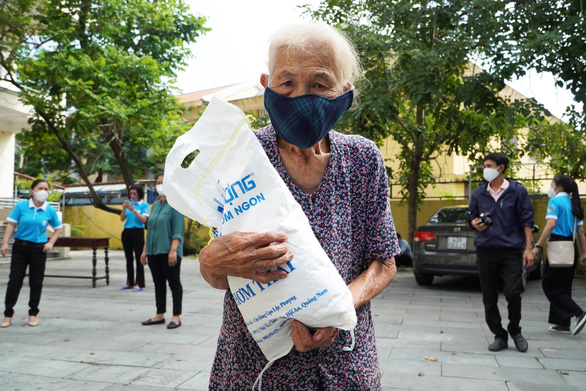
x=306 y=340
x=248 y=255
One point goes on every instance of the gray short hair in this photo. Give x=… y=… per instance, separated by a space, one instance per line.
x=298 y=36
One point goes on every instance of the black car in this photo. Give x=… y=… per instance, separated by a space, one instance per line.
x=445 y=246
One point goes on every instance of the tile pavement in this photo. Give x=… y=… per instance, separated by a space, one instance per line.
x=428 y=338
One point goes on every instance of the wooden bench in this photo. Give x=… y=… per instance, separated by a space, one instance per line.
x=94 y=244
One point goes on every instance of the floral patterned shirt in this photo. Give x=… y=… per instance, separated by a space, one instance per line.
x=351 y=217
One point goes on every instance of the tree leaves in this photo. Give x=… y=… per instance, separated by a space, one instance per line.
x=420 y=87
x=544 y=35
x=98 y=74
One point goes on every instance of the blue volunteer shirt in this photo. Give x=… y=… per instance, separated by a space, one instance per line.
x=560 y=208
x=32 y=221
x=131 y=220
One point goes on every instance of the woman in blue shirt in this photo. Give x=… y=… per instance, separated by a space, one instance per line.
x=136 y=213
x=564 y=218
x=30 y=248
x=164 y=249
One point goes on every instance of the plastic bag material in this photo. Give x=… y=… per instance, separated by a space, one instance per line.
x=232 y=186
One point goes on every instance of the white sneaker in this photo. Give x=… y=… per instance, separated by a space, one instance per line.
x=579 y=323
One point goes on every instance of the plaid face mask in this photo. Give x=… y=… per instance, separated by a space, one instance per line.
x=305 y=119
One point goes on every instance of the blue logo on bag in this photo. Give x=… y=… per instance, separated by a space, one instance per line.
x=232 y=193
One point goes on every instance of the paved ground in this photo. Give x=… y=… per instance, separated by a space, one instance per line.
x=429 y=338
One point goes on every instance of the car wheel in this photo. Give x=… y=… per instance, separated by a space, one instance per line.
x=424 y=279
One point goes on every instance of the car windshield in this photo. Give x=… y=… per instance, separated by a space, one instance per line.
x=450 y=215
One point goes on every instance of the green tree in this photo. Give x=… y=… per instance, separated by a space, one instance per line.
x=420 y=87
x=564 y=145
x=546 y=36
x=99 y=76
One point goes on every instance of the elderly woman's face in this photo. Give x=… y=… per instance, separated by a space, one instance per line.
x=299 y=72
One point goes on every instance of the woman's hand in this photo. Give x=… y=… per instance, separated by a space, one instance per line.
x=583 y=259
x=4 y=249
x=172 y=257
x=305 y=341
x=143 y=259
x=535 y=251
x=244 y=254
x=47 y=247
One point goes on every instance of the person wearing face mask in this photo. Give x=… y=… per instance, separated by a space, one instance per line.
x=341 y=184
x=30 y=248
x=135 y=214
x=164 y=250
x=564 y=220
x=503 y=247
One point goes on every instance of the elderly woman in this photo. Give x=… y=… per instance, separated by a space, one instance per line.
x=340 y=182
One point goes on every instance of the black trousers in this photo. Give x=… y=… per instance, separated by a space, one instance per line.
x=31 y=255
x=133 y=243
x=557 y=286
x=496 y=264
x=162 y=273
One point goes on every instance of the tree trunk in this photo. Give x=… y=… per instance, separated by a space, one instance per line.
x=412 y=199
x=116 y=146
x=100 y=177
x=80 y=170
x=415 y=167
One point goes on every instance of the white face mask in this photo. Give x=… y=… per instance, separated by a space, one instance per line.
x=490 y=174
x=551 y=192
x=41 y=195
x=160 y=190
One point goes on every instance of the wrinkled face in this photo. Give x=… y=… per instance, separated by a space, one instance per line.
x=133 y=194
x=312 y=71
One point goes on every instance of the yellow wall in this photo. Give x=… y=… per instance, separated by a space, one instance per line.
x=100 y=224
x=429 y=207
x=96 y=222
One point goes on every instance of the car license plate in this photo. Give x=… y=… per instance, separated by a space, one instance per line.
x=456 y=243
